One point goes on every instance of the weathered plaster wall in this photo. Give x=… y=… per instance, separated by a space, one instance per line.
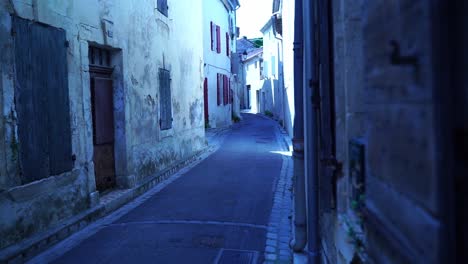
x=214 y=63
x=143 y=41
x=252 y=77
x=273 y=87
x=288 y=64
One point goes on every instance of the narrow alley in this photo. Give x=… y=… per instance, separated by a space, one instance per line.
x=234 y=131
x=218 y=211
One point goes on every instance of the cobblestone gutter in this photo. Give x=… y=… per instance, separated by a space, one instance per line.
x=280 y=226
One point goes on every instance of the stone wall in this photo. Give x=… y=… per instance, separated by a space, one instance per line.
x=387 y=105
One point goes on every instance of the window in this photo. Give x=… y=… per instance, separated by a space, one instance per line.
x=162 y=7
x=165 y=103
x=213 y=36
x=42 y=100
x=223 y=88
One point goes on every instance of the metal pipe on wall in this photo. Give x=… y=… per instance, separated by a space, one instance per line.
x=300 y=219
x=311 y=101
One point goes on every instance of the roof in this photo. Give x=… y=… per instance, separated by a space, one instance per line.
x=253 y=53
x=243 y=44
x=267 y=25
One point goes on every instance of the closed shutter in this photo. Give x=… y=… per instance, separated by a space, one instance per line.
x=221 y=89
x=205 y=97
x=218 y=39
x=225 y=90
x=218 y=93
x=165 y=102
x=212 y=33
x=228 y=49
x=42 y=100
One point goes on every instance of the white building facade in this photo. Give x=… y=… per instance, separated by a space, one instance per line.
x=219 y=35
x=60 y=144
x=252 y=67
x=273 y=86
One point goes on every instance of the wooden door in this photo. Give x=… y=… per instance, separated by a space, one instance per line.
x=103 y=132
x=205 y=96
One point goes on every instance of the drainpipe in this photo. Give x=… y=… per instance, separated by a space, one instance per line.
x=300 y=231
x=311 y=103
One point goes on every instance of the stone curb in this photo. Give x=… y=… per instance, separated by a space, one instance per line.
x=23 y=251
x=280 y=225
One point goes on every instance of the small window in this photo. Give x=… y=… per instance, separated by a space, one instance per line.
x=213 y=36
x=165 y=102
x=162 y=7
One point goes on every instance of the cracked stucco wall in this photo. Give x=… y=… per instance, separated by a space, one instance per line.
x=143 y=41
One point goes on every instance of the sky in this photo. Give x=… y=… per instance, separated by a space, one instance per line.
x=252 y=16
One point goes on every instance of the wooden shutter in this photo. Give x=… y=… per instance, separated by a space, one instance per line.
x=165 y=104
x=218 y=39
x=228 y=49
x=212 y=36
x=42 y=100
x=205 y=97
x=218 y=93
x=225 y=92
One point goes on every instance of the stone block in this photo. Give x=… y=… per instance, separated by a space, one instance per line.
x=401 y=151
x=94 y=199
x=270 y=249
x=416 y=229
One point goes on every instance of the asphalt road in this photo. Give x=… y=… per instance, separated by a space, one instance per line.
x=216 y=212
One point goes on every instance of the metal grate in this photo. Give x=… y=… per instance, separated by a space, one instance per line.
x=232 y=256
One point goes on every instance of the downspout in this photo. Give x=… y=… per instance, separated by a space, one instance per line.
x=300 y=230
x=311 y=103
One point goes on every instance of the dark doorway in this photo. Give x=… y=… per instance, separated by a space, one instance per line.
x=249 y=106
x=205 y=96
x=103 y=118
x=258 y=101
